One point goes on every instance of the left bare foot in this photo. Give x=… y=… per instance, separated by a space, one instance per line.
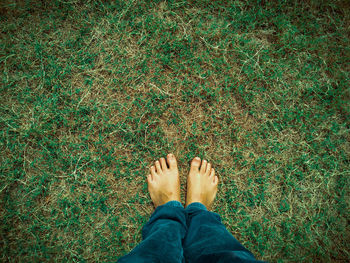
x=164 y=182
x=202 y=183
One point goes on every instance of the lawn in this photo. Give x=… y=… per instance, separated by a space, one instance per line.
x=92 y=92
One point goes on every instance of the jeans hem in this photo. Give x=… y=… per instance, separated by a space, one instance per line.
x=173 y=203
x=196 y=206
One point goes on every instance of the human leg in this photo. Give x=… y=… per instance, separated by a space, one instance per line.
x=163 y=235
x=207 y=239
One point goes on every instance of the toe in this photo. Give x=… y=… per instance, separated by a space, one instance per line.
x=195 y=164
x=214 y=177
x=149 y=178
x=216 y=180
x=203 y=166
x=208 y=171
x=158 y=168
x=153 y=172
x=163 y=164
x=212 y=174
x=171 y=161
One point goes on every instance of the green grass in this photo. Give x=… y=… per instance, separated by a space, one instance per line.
x=92 y=92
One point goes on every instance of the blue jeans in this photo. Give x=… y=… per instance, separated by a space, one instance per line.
x=175 y=234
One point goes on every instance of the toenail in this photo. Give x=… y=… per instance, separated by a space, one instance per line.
x=197 y=158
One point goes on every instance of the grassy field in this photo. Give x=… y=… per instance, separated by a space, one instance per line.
x=92 y=92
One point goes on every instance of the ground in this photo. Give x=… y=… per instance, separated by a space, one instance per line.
x=92 y=92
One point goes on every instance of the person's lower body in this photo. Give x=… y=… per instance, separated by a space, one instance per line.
x=175 y=234
x=194 y=234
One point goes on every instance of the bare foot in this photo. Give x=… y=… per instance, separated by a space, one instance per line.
x=202 y=184
x=164 y=182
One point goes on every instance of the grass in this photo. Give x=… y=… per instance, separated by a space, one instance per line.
x=92 y=92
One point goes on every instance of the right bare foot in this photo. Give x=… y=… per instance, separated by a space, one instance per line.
x=202 y=184
x=164 y=181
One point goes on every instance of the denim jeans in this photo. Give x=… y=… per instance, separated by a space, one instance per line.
x=194 y=234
